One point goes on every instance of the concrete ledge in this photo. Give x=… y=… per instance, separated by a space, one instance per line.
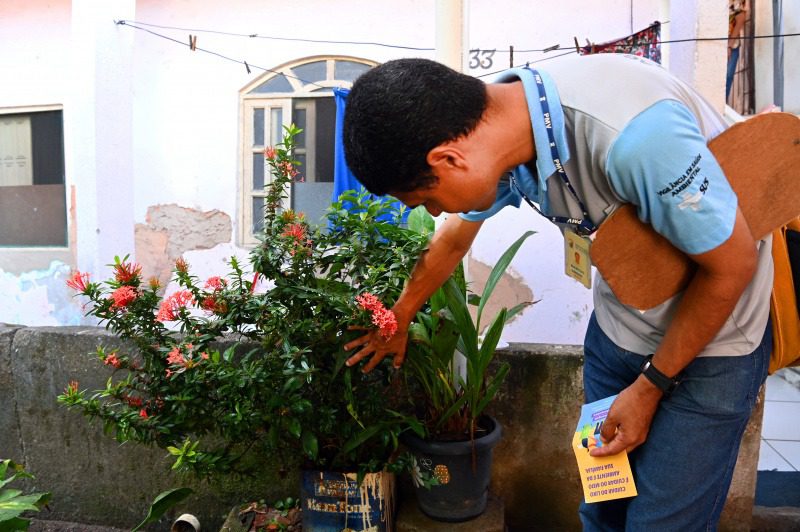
x=98 y=482
x=411 y=519
x=778 y=519
x=93 y=479
x=535 y=471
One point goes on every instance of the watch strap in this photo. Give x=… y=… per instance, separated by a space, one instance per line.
x=666 y=384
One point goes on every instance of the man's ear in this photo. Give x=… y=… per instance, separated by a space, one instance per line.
x=446 y=156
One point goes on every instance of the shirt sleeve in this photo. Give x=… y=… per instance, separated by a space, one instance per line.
x=506 y=195
x=661 y=163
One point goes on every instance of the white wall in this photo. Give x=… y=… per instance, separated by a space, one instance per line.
x=150 y=122
x=791 y=58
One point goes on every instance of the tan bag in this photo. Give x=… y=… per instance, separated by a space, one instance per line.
x=783 y=304
x=761 y=159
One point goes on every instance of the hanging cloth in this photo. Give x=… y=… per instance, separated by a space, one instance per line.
x=643 y=43
x=343 y=178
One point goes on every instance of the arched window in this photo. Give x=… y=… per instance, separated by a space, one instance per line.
x=298 y=92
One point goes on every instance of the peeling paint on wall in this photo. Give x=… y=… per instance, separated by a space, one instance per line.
x=509 y=291
x=40 y=298
x=172 y=230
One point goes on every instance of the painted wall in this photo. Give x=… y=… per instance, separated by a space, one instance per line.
x=152 y=128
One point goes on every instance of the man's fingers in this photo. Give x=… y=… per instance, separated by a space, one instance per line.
x=609 y=430
x=616 y=445
x=374 y=361
x=399 y=358
x=361 y=340
x=359 y=355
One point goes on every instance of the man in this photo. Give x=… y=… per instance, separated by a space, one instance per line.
x=576 y=139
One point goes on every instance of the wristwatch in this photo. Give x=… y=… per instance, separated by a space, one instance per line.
x=666 y=384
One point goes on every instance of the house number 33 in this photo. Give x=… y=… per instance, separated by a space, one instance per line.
x=481 y=58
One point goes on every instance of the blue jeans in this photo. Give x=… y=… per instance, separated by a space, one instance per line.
x=684 y=469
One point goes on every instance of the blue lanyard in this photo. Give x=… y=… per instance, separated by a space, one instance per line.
x=582 y=226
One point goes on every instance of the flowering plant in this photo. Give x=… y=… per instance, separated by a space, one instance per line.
x=219 y=371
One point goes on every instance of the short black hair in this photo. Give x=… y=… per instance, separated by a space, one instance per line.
x=399 y=111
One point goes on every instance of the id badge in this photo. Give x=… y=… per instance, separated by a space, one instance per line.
x=577 y=263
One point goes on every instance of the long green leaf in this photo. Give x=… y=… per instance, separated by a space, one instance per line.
x=455 y=407
x=163 y=502
x=491 y=340
x=458 y=306
x=492 y=388
x=498 y=271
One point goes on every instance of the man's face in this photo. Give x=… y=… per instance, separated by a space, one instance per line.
x=452 y=194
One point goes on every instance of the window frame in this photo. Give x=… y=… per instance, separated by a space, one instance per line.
x=301 y=97
x=26 y=258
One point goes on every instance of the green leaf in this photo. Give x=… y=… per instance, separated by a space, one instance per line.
x=294 y=427
x=458 y=306
x=7 y=494
x=310 y=445
x=163 y=502
x=14 y=524
x=493 y=388
x=420 y=221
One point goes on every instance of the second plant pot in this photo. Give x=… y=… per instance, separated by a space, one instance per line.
x=463 y=484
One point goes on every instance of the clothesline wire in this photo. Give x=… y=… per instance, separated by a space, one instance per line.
x=271 y=37
x=571 y=48
x=197 y=48
x=405 y=47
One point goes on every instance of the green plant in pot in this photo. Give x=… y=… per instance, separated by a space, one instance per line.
x=458 y=438
x=247 y=367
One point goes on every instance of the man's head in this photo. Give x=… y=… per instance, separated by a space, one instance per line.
x=398 y=112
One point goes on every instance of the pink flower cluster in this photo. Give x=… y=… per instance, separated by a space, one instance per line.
x=176 y=358
x=215 y=283
x=78 y=281
x=123 y=296
x=297 y=232
x=172 y=305
x=382 y=317
x=112 y=360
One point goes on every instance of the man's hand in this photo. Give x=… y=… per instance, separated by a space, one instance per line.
x=629 y=418
x=373 y=343
x=447 y=247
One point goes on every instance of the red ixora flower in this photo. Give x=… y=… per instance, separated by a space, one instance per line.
x=215 y=283
x=143 y=413
x=133 y=402
x=123 y=296
x=175 y=357
x=171 y=306
x=113 y=360
x=78 y=281
x=382 y=317
x=125 y=272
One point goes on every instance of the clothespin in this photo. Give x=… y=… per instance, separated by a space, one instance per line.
x=577 y=46
x=511 y=56
x=192 y=42
x=247 y=67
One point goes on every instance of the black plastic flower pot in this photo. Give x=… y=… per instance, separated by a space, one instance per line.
x=462 y=490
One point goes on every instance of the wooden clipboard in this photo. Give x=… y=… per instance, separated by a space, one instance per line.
x=760 y=158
